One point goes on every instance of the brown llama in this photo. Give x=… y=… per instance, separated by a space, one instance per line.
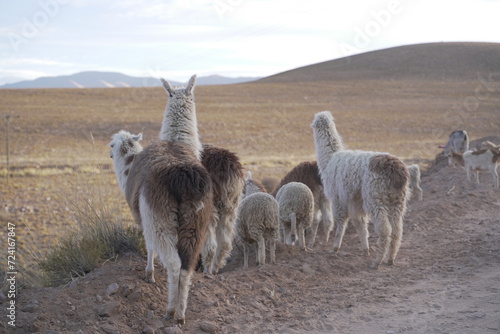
x=170 y=193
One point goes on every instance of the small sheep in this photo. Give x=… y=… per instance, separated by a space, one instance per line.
x=296 y=208
x=415 y=181
x=257 y=222
x=477 y=161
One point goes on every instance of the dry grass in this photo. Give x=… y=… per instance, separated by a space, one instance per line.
x=62 y=134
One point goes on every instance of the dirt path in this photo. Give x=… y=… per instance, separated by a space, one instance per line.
x=446 y=280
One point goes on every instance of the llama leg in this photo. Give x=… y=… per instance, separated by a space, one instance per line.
x=147 y=219
x=384 y=231
x=209 y=248
x=245 y=255
x=173 y=264
x=326 y=218
x=396 y=236
x=261 y=251
x=362 y=229
x=225 y=235
x=150 y=267
x=420 y=193
x=184 y=285
x=341 y=220
x=477 y=177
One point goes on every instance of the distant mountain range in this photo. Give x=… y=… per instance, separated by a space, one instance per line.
x=93 y=79
x=431 y=61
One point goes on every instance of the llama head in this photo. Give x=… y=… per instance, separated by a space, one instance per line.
x=124 y=143
x=322 y=120
x=182 y=92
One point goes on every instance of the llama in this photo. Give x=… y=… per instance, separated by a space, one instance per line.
x=180 y=124
x=361 y=184
x=225 y=170
x=458 y=142
x=477 y=161
x=488 y=145
x=296 y=211
x=414 y=185
x=307 y=173
x=170 y=193
x=257 y=221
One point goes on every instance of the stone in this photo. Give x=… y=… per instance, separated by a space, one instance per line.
x=172 y=330
x=135 y=296
x=112 y=289
x=108 y=309
x=31 y=307
x=127 y=289
x=209 y=327
x=109 y=329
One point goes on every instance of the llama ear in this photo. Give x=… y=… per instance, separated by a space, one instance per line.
x=167 y=87
x=137 y=137
x=249 y=176
x=190 y=85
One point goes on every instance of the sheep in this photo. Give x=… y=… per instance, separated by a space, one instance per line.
x=307 y=172
x=296 y=211
x=360 y=184
x=257 y=222
x=414 y=185
x=477 y=161
x=170 y=195
x=458 y=142
x=180 y=124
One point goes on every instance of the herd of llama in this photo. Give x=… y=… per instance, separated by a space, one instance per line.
x=192 y=201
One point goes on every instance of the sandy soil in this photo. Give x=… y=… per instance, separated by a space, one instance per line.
x=446 y=280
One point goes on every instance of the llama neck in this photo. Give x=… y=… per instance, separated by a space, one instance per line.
x=122 y=167
x=180 y=125
x=327 y=142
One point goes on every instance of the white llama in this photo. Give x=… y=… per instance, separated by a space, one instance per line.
x=170 y=195
x=180 y=125
x=362 y=184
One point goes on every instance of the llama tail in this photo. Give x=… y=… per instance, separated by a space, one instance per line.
x=392 y=169
x=189 y=183
x=192 y=188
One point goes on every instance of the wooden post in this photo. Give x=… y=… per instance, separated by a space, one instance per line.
x=7 y=121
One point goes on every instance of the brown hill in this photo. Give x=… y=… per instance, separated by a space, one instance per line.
x=445 y=281
x=438 y=61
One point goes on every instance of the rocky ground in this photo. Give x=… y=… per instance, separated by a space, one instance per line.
x=446 y=280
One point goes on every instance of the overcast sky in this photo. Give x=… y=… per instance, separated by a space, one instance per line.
x=175 y=39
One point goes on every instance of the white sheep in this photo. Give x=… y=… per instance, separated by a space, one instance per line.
x=307 y=172
x=414 y=171
x=257 y=222
x=296 y=208
x=476 y=161
x=362 y=184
